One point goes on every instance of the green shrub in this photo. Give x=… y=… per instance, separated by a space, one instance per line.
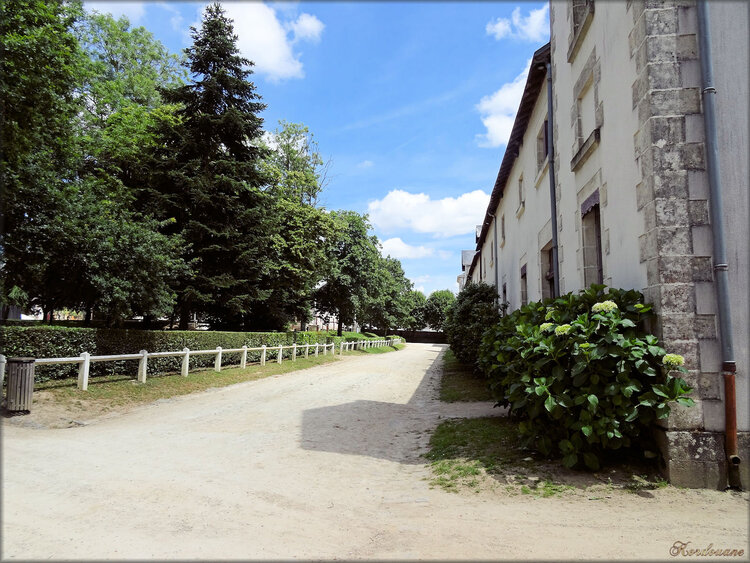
x=581 y=374
x=473 y=312
x=61 y=342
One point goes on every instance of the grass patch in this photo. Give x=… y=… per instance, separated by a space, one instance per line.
x=486 y=453
x=382 y=349
x=463 y=451
x=379 y=350
x=120 y=390
x=459 y=383
x=350 y=334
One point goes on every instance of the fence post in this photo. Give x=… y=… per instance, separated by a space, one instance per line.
x=316 y=349
x=307 y=350
x=217 y=361
x=243 y=360
x=2 y=373
x=263 y=355
x=281 y=352
x=185 y=361
x=294 y=352
x=341 y=349
x=142 y=366
x=83 y=371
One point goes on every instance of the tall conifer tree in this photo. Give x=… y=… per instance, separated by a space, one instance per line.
x=208 y=177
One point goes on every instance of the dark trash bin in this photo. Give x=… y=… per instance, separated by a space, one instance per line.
x=20 y=390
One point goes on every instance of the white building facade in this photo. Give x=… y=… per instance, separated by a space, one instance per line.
x=630 y=175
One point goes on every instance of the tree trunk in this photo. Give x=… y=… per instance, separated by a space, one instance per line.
x=340 y=331
x=184 y=316
x=87 y=318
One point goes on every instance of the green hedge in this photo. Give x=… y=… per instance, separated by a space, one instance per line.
x=60 y=342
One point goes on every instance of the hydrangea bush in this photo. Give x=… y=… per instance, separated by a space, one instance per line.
x=581 y=373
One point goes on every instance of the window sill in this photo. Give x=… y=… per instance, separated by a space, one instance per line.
x=521 y=209
x=586 y=149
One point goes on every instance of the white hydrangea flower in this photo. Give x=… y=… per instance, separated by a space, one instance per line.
x=604 y=306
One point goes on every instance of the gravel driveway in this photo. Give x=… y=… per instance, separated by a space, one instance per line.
x=317 y=464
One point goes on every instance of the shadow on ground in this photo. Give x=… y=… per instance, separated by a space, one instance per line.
x=390 y=431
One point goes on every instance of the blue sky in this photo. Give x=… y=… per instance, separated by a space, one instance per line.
x=411 y=101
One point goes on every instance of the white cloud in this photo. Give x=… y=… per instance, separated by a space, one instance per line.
x=307 y=27
x=176 y=21
x=418 y=212
x=396 y=248
x=366 y=164
x=534 y=27
x=498 y=110
x=267 y=41
x=134 y=11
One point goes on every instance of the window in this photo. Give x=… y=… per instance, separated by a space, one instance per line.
x=524 y=287
x=586 y=113
x=502 y=228
x=580 y=13
x=541 y=147
x=521 y=197
x=504 y=304
x=591 y=239
x=548 y=274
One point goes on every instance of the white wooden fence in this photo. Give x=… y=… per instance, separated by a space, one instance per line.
x=85 y=359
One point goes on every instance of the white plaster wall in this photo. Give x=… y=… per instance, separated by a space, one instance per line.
x=729 y=34
x=614 y=159
x=522 y=231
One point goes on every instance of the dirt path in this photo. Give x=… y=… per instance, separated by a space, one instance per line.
x=318 y=464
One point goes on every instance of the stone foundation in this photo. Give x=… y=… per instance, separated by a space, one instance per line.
x=696 y=459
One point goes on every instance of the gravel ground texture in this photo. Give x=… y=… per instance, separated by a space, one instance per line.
x=323 y=463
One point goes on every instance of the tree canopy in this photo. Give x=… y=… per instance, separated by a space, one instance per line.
x=140 y=183
x=436 y=308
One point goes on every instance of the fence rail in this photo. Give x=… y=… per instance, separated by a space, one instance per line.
x=85 y=359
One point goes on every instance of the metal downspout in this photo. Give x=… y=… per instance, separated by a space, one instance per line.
x=497 y=259
x=721 y=267
x=551 y=173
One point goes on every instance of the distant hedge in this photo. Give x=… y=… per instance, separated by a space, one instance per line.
x=61 y=342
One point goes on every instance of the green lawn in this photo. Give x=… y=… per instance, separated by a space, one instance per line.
x=123 y=390
x=459 y=383
x=486 y=453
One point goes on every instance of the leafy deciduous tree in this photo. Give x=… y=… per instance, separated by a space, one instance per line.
x=417 y=302
x=474 y=311
x=345 y=288
x=437 y=306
